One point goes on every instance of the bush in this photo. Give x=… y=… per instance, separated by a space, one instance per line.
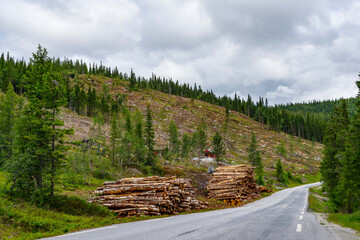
x=260 y=180
x=77 y=206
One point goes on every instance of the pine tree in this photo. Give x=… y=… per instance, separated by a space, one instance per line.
x=139 y=143
x=252 y=150
x=332 y=164
x=114 y=142
x=280 y=173
x=186 y=146
x=40 y=144
x=350 y=180
x=174 y=143
x=254 y=155
x=8 y=118
x=149 y=136
x=201 y=139
x=218 y=146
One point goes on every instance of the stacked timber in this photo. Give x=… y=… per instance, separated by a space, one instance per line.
x=148 y=196
x=233 y=184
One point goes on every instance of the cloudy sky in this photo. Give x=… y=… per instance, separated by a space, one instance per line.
x=284 y=50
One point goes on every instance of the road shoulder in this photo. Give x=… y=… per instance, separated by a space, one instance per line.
x=340 y=232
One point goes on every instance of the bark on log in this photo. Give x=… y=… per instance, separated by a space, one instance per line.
x=148 y=196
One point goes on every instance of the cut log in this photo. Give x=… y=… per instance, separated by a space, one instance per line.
x=147 y=196
x=233 y=184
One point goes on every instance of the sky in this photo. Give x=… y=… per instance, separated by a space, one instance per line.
x=283 y=50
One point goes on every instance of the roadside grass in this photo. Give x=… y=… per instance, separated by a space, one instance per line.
x=318 y=201
x=346 y=220
x=319 y=205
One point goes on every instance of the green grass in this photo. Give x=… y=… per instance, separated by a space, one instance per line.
x=346 y=220
x=23 y=220
x=20 y=219
x=316 y=204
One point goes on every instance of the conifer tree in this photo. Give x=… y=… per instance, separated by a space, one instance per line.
x=174 y=143
x=218 y=146
x=139 y=143
x=185 y=146
x=149 y=136
x=254 y=156
x=114 y=142
x=41 y=148
x=332 y=164
x=8 y=118
x=350 y=179
x=200 y=139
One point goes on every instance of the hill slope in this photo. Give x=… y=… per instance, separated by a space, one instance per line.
x=301 y=156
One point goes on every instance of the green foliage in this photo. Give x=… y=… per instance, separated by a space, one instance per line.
x=316 y=204
x=39 y=149
x=254 y=155
x=260 y=179
x=10 y=108
x=346 y=220
x=218 y=146
x=199 y=139
x=281 y=174
x=340 y=166
x=149 y=139
x=174 y=142
x=185 y=145
x=139 y=143
x=281 y=148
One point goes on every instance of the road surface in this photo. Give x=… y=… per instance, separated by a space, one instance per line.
x=282 y=215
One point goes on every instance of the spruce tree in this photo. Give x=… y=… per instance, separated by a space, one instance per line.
x=200 y=139
x=174 y=143
x=350 y=179
x=185 y=145
x=114 y=142
x=218 y=146
x=334 y=154
x=40 y=143
x=252 y=150
x=149 y=139
x=8 y=117
x=139 y=143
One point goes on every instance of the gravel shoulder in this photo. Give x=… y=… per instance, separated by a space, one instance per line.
x=340 y=232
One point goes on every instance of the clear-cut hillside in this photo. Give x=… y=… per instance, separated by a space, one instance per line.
x=301 y=156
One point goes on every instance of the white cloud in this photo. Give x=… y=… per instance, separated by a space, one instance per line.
x=281 y=92
x=282 y=50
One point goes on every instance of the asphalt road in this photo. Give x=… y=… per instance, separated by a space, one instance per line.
x=283 y=215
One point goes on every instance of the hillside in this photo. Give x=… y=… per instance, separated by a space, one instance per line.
x=301 y=156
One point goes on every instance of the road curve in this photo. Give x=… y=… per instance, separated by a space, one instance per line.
x=280 y=216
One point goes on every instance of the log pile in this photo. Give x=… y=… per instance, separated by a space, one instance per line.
x=148 y=196
x=233 y=184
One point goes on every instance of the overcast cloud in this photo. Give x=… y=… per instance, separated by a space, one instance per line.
x=286 y=51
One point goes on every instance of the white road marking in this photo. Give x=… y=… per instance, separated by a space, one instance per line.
x=301 y=217
x=302 y=212
x=298 y=228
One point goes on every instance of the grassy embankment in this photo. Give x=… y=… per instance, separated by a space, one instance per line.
x=318 y=203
